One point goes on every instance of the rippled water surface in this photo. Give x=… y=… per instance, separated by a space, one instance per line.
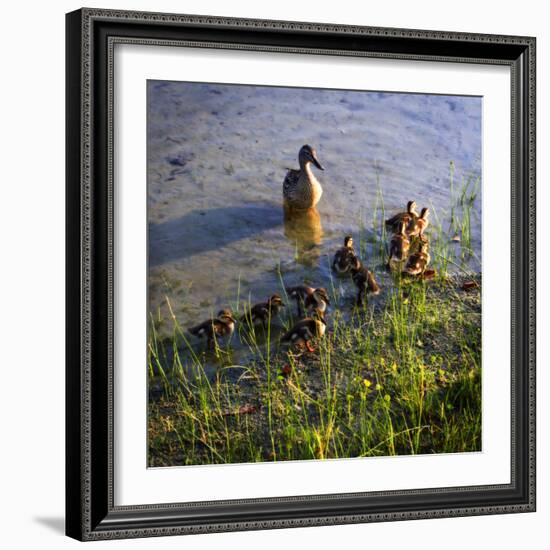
x=217 y=156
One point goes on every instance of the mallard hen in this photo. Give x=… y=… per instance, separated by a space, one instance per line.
x=301 y=189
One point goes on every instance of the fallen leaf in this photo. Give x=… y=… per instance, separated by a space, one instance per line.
x=286 y=370
x=243 y=409
x=468 y=285
x=248 y=409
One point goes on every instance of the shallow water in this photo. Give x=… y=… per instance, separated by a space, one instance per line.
x=216 y=161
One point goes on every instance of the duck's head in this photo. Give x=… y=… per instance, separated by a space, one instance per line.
x=225 y=316
x=348 y=241
x=411 y=207
x=276 y=300
x=424 y=213
x=308 y=154
x=321 y=295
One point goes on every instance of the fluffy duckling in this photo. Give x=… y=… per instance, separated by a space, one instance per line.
x=308 y=298
x=409 y=216
x=260 y=314
x=365 y=282
x=301 y=189
x=399 y=246
x=306 y=330
x=417 y=262
x=221 y=326
x=318 y=301
x=345 y=259
x=417 y=227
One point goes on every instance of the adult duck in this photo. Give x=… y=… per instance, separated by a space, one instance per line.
x=301 y=189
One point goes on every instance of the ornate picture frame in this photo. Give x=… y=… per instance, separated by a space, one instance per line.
x=91 y=512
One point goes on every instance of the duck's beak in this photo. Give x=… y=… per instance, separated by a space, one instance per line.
x=316 y=161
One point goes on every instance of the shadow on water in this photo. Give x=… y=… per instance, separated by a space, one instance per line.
x=209 y=229
x=304 y=229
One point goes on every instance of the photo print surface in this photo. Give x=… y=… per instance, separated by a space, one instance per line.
x=314 y=273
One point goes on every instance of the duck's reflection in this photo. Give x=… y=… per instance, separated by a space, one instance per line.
x=303 y=228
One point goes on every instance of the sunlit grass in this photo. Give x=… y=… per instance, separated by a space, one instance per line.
x=403 y=381
x=400 y=375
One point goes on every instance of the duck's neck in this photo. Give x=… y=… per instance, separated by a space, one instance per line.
x=308 y=176
x=321 y=306
x=305 y=166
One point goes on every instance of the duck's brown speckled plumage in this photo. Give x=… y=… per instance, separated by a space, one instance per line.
x=345 y=258
x=308 y=298
x=263 y=312
x=365 y=282
x=221 y=326
x=419 y=261
x=417 y=226
x=406 y=217
x=306 y=330
x=399 y=246
x=301 y=189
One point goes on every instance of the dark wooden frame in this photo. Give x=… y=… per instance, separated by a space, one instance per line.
x=90 y=510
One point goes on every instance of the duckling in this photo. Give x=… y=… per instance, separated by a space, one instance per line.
x=417 y=262
x=365 y=282
x=222 y=326
x=345 y=259
x=417 y=227
x=262 y=313
x=317 y=301
x=399 y=246
x=308 y=297
x=306 y=330
x=301 y=189
x=410 y=215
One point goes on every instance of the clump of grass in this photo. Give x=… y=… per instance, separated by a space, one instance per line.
x=462 y=202
x=382 y=382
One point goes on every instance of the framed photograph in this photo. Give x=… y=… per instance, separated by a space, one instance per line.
x=300 y=274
